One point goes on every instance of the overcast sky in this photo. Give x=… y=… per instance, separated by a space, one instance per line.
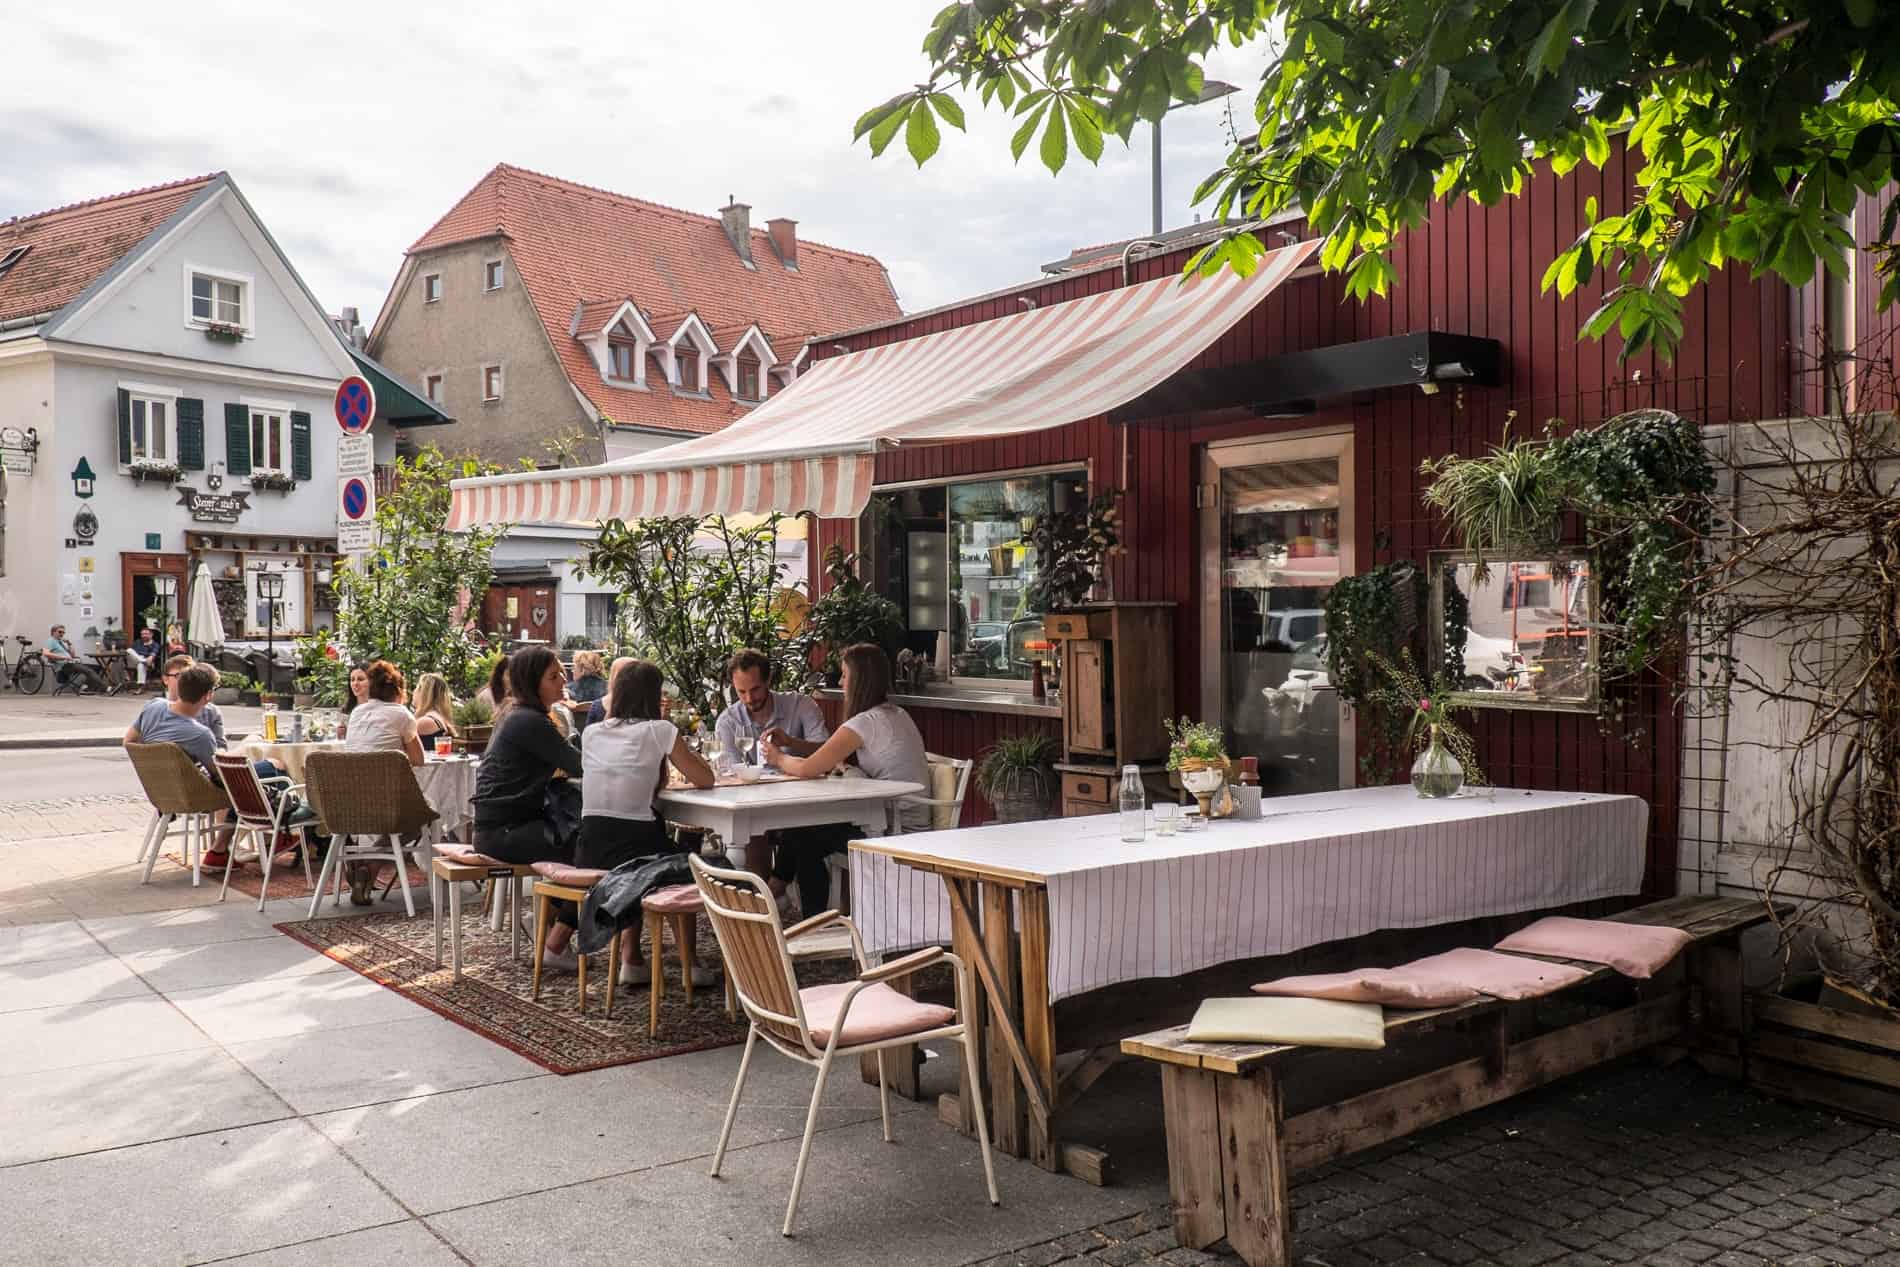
x=353 y=126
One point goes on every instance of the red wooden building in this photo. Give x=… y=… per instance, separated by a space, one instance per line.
x=1284 y=454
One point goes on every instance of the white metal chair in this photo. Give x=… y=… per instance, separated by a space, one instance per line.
x=261 y=820
x=818 y=1024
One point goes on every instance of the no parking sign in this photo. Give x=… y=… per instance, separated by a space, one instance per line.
x=355 y=405
x=355 y=514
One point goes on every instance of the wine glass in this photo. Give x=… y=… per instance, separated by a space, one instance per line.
x=748 y=748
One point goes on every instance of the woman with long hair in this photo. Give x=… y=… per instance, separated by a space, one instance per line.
x=354 y=694
x=885 y=743
x=434 y=707
x=497 y=689
x=512 y=822
x=624 y=758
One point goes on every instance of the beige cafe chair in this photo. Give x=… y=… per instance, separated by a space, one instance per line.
x=818 y=1024
x=260 y=820
x=374 y=811
x=178 y=790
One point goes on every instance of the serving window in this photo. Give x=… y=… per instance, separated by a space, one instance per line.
x=955 y=557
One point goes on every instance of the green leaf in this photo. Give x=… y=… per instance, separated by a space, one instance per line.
x=1020 y=142
x=881 y=113
x=921 y=137
x=1862 y=13
x=947 y=106
x=881 y=134
x=1055 y=143
x=1085 y=129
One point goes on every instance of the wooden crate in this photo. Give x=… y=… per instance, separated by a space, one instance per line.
x=1806 y=1051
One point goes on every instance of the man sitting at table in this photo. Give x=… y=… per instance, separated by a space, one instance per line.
x=66 y=666
x=142 y=656
x=792 y=722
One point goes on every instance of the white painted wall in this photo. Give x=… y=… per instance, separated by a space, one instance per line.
x=26 y=400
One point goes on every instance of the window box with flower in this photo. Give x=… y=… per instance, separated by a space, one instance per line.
x=153 y=470
x=273 y=481
x=224 y=332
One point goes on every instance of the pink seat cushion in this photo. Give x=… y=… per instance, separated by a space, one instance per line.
x=467 y=857
x=878 y=1013
x=1635 y=950
x=1394 y=987
x=674 y=899
x=573 y=877
x=1500 y=976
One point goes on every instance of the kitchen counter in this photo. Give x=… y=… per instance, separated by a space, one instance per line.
x=969 y=699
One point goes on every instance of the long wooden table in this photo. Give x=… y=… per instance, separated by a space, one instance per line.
x=1043 y=911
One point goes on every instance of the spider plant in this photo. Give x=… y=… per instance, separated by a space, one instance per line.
x=1510 y=499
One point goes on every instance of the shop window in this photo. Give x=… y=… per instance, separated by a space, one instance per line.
x=956 y=558
x=1529 y=626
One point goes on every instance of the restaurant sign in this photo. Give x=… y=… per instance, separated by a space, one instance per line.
x=214 y=508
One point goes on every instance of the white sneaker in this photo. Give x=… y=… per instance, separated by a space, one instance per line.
x=704 y=974
x=637 y=976
x=563 y=962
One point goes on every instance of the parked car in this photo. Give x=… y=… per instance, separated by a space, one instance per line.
x=1491 y=664
x=990 y=639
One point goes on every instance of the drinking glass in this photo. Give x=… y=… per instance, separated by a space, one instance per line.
x=1166 y=819
x=444 y=745
x=748 y=748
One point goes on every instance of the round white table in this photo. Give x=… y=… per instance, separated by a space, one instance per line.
x=288 y=755
x=448 y=784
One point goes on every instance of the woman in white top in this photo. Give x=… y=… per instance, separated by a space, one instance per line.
x=623 y=763
x=380 y=722
x=879 y=734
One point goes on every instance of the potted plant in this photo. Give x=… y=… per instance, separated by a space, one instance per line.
x=1197 y=758
x=1016 y=777
x=154 y=470
x=224 y=332
x=230 y=688
x=1071 y=550
x=474 y=718
x=250 y=691
x=851 y=611
x=274 y=481
x=114 y=637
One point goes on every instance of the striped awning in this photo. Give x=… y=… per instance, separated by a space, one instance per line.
x=811 y=447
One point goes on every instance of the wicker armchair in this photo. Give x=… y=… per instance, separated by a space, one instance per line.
x=373 y=809
x=182 y=798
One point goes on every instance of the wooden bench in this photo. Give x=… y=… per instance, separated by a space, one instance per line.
x=1231 y=1147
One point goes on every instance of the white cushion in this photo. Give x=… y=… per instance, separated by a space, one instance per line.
x=1308 y=1022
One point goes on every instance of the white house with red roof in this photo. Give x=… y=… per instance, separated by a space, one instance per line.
x=568 y=325
x=166 y=398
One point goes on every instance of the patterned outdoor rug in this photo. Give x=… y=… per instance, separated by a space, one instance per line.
x=492 y=997
x=286 y=878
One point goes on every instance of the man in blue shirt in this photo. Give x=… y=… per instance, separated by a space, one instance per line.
x=66 y=666
x=792 y=722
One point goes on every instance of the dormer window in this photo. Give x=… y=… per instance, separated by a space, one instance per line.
x=748 y=386
x=686 y=368
x=623 y=359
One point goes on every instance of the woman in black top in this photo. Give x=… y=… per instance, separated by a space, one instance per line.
x=523 y=754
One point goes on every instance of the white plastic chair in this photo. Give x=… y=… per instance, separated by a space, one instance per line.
x=759 y=966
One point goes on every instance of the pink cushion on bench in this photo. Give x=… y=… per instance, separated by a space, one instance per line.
x=1394 y=987
x=572 y=877
x=462 y=855
x=1635 y=950
x=878 y=1013
x=1500 y=976
x=674 y=899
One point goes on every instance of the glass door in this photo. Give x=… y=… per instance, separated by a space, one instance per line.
x=1277 y=533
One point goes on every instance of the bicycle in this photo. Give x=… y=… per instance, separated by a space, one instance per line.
x=29 y=670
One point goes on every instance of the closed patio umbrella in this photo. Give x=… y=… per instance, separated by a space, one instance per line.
x=205 y=625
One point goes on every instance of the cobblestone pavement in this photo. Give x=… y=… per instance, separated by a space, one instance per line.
x=1632 y=1164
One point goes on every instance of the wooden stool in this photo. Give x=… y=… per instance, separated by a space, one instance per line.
x=677 y=907
x=558 y=881
x=452 y=867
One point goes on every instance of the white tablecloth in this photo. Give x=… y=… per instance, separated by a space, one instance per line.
x=448 y=786
x=740 y=811
x=288 y=755
x=1313 y=869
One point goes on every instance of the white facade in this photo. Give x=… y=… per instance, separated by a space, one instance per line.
x=131 y=337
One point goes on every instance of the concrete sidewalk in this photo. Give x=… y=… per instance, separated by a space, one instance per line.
x=88 y=721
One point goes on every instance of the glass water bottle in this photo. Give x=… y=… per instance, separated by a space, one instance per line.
x=1134 y=802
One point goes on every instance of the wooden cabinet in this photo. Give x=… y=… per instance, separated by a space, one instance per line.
x=1087 y=792
x=1117 y=681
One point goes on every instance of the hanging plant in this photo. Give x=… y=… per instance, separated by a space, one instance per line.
x=1640 y=484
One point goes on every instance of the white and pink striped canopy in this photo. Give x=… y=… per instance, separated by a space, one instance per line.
x=811 y=446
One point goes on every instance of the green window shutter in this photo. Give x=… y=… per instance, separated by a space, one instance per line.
x=125 y=427
x=191 y=435
x=237 y=439
x=299 y=445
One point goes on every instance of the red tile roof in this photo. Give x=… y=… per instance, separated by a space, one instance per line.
x=574 y=244
x=72 y=246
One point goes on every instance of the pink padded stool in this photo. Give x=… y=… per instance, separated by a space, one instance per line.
x=678 y=907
